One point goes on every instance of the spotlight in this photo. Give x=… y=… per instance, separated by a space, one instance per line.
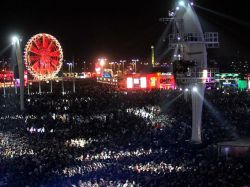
x=186 y=90
x=171 y=14
x=192 y=3
x=177 y=8
x=14 y=39
x=181 y=3
x=195 y=89
x=180 y=89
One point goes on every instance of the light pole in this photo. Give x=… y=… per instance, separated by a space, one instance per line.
x=73 y=70
x=29 y=84
x=15 y=86
x=16 y=43
x=111 y=63
x=4 y=76
x=28 y=88
x=122 y=61
x=134 y=62
x=70 y=64
x=40 y=89
x=115 y=70
x=62 y=87
x=40 y=78
x=119 y=66
x=51 y=86
x=84 y=65
x=74 y=85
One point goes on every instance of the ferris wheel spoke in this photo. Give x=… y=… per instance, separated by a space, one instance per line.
x=34 y=50
x=45 y=42
x=55 y=53
x=35 y=66
x=37 y=44
x=50 y=45
x=55 y=62
x=52 y=67
x=43 y=71
x=53 y=47
x=34 y=58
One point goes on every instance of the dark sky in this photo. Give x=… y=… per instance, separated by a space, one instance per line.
x=114 y=29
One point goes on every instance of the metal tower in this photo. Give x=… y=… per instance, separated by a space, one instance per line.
x=153 y=56
x=190 y=43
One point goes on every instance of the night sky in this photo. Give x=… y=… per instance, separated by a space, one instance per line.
x=116 y=29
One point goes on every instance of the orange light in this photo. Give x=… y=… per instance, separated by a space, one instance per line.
x=152 y=82
x=102 y=61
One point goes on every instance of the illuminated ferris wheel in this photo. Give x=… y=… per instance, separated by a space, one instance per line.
x=43 y=56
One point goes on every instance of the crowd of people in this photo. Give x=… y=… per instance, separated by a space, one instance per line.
x=102 y=137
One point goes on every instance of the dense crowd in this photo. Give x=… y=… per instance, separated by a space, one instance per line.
x=102 y=137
